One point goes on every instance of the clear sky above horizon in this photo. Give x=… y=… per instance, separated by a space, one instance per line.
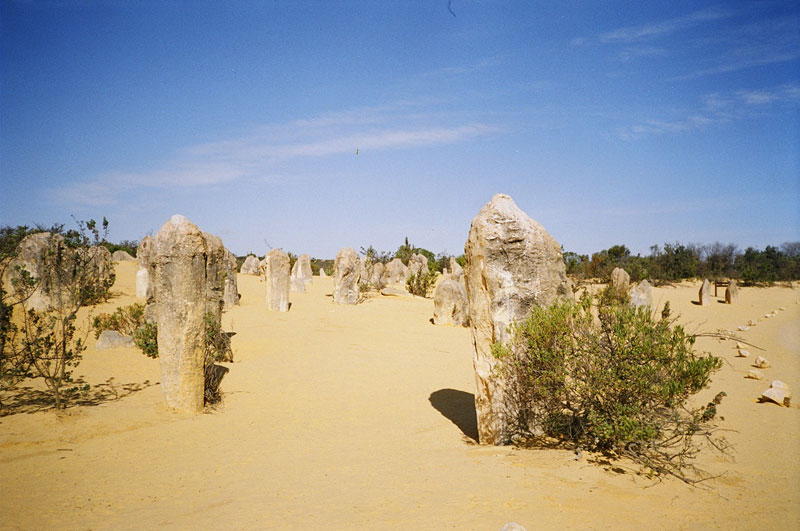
x=313 y=126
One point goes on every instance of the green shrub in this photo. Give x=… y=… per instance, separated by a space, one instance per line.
x=420 y=284
x=146 y=338
x=217 y=348
x=124 y=320
x=617 y=383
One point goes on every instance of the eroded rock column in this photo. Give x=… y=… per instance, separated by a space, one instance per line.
x=186 y=265
x=277 y=279
x=346 y=274
x=513 y=264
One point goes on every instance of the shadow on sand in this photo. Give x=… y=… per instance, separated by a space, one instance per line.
x=27 y=399
x=459 y=407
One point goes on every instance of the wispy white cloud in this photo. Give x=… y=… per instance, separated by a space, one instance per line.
x=664 y=27
x=632 y=52
x=267 y=149
x=717 y=108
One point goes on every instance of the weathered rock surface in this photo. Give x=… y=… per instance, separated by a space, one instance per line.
x=641 y=294
x=187 y=266
x=761 y=363
x=249 y=266
x=377 y=274
x=620 y=281
x=144 y=276
x=732 y=293
x=704 y=295
x=122 y=256
x=112 y=339
x=142 y=282
x=450 y=303
x=456 y=271
x=322 y=273
x=296 y=282
x=346 y=275
x=304 y=271
x=779 y=393
x=513 y=264
x=418 y=263
x=277 y=279
x=743 y=353
x=754 y=374
x=395 y=272
x=390 y=291
x=55 y=266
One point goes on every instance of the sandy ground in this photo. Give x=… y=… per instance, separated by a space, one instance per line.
x=353 y=417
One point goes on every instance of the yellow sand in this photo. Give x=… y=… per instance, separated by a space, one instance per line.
x=360 y=417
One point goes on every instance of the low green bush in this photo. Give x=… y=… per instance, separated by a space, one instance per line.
x=421 y=283
x=610 y=378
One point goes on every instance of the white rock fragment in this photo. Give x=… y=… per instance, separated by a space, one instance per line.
x=761 y=363
x=743 y=353
x=779 y=393
x=739 y=345
x=751 y=323
x=743 y=328
x=754 y=374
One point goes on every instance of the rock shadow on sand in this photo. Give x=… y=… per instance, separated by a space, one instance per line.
x=459 y=408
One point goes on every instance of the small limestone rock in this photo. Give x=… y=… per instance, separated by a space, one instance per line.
x=782 y=308
x=395 y=272
x=704 y=295
x=112 y=339
x=777 y=384
x=122 y=256
x=751 y=323
x=250 y=266
x=620 y=281
x=277 y=280
x=743 y=328
x=450 y=303
x=732 y=293
x=346 y=275
x=389 y=291
x=322 y=273
x=754 y=374
x=512 y=526
x=744 y=353
x=761 y=363
x=641 y=294
x=780 y=395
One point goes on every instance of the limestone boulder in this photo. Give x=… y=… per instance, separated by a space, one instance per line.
x=187 y=266
x=142 y=282
x=145 y=251
x=377 y=275
x=450 y=303
x=277 y=275
x=304 y=271
x=779 y=393
x=513 y=264
x=620 y=281
x=418 y=263
x=322 y=273
x=346 y=276
x=395 y=272
x=296 y=282
x=122 y=256
x=113 y=339
x=641 y=295
x=456 y=271
x=365 y=270
x=704 y=295
x=249 y=266
x=144 y=277
x=732 y=293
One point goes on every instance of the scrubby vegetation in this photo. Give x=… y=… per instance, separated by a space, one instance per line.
x=676 y=261
x=612 y=379
x=43 y=343
x=128 y=246
x=421 y=284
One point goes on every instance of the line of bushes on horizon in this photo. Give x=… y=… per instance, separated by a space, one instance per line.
x=677 y=261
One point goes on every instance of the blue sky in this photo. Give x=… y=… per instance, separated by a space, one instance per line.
x=318 y=125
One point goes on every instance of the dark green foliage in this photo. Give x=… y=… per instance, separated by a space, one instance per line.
x=676 y=262
x=616 y=383
x=325 y=265
x=421 y=284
